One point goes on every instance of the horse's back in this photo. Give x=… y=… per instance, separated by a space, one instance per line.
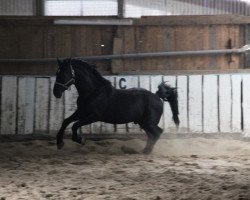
x=131 y=105
x=135 y=96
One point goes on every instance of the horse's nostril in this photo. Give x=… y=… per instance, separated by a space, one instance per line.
x=57 y=94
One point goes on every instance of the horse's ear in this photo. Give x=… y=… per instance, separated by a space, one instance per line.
x=59 y=62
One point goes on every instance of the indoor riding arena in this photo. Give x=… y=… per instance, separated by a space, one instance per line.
x=164 y=99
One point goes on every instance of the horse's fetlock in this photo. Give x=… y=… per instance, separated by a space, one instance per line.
x=77 y=139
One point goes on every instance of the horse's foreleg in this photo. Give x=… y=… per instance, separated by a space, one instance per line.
x=79 y=124
x=65 y=123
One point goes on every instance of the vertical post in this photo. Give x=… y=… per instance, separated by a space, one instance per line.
x=247 y=40
x=117 y=64
x=39 y=7
x=120 y=8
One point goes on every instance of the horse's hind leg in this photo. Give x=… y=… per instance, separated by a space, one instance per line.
x=153 y=134
x=65 y=123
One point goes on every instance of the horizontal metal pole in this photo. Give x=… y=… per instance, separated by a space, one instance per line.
x=122 y=22
x=244 y=49
x=165 y=54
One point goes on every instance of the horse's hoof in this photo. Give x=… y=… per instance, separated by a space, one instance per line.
x=60 y=145
x=146 y=151
x=78 y=139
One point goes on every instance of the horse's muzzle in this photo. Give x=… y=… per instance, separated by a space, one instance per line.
x=58 y=95
x=57 y=91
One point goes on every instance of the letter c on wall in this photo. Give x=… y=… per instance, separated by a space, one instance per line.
x=121 y=85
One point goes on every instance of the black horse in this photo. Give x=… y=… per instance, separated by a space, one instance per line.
x=99 y=101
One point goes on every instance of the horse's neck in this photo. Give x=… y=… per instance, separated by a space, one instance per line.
x=86 y=88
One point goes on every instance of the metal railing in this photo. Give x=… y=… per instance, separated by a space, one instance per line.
x=245 y=49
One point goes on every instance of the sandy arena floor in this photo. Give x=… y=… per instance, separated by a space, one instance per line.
x=194 y=168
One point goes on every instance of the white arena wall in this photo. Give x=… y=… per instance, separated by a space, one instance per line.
x=214 y=103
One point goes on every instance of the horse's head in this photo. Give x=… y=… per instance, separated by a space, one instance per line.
x=65 y=77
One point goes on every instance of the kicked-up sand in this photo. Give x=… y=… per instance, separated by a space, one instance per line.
x=192 y=168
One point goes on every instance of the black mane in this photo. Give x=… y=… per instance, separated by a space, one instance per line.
x=92 y=69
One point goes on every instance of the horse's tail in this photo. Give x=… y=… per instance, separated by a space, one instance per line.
x=168 y=93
